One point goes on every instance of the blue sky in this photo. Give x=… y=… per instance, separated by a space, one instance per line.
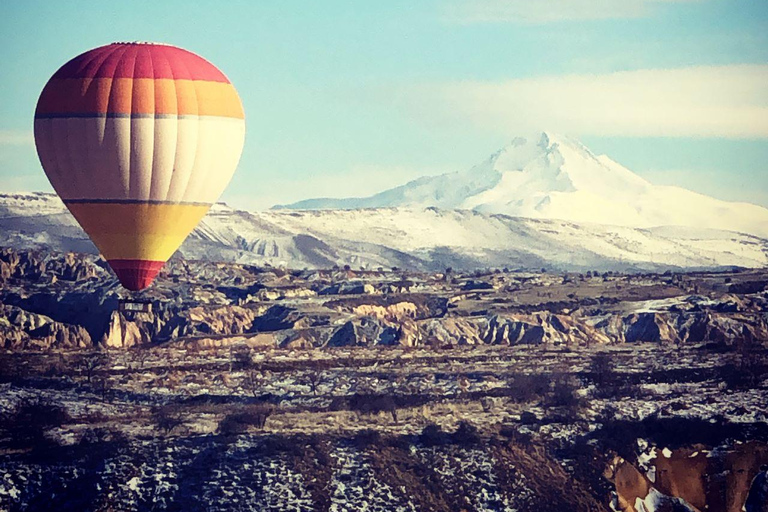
x=348 y=98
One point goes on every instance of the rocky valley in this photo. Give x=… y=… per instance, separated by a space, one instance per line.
x=229 y=385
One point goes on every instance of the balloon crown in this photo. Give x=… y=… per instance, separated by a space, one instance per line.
x=141 y=42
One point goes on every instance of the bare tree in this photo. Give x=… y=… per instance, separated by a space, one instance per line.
x=140 y=355
x=167 y=418
x=256 y=380
x=316 y=375
x=601 y=366
x=101 y=386
x=241 y=359
x=313 y=378
x=90 y=364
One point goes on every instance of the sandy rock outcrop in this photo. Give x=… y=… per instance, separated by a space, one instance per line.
x=58 y=335
x=22 y=264
x=541 y=327
x=393 y=308
x=348 y=288
x=684 y=327
x=409 y=334
x=222 y=320
x=277 y=318
x=654 y=327
x=21 y=329
x=33 y=266
x=261 y=340
x=398 y=311
x=452 y=330
x=696 y=477
x=124 y=333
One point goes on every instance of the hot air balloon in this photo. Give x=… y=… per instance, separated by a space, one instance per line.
x=139 y=140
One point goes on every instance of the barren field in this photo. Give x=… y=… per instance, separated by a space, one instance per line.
x=381 y=390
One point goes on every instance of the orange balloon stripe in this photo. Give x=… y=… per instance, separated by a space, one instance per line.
x=76 y=97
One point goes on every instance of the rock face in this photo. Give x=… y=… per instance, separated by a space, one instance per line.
x=452 y=330
x=685 y=327
x=124 y=333
x=539 y=328
x=693 y=477
x=365 y=331
x=50 y=301
x=33 y=265
x=648 y=327
x=348 y=288
x=222 y=320
x=20 y=329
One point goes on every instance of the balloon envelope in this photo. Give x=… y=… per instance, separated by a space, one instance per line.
x=139 y=140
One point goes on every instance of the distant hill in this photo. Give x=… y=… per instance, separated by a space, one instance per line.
x=412 y=238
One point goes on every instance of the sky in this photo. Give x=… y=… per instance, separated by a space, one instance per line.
x=348 y=98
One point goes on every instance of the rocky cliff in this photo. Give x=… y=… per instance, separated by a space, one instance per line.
x=67 y=301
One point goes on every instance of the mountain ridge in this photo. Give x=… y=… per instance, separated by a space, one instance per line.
x=556 y=177
x=426 y=239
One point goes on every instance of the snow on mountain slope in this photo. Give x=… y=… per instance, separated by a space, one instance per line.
x=554 y=177
x=414 y=238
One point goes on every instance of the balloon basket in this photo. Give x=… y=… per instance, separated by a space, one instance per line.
x=134 y=306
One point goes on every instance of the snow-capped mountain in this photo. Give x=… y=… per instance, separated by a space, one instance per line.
x=555 y=177
x=413 y=238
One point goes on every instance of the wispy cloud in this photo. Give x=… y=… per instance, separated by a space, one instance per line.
x=707 y=101
x=548 y=11
x=16 y=138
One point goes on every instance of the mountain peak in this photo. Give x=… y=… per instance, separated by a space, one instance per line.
x=553 y=176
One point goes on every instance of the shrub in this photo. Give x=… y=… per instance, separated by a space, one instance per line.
x=103 y=435
x=241 y=360
x=608 y=414
x=373 y=404
x=91 y=363
x=276 y=445
x=28 y=422
x=314 y=377
x=514 y=435
x=167 y=418
x=366 y=438
x=525 y=388
x=238 y=422
x=488 y=403
x=564 y=393
x=466 y=434
x=433 y=435
x=601 y=368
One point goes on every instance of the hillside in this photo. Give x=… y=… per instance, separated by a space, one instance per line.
x=411 y=238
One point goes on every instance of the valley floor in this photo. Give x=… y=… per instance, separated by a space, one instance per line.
x=475 y=428
x=247 y=388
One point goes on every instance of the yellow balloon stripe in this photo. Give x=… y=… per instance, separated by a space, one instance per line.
x=140 y=230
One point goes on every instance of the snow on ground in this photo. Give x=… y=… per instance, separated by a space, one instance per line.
x=355 y=487
x=408 y=237
x=471 y=473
